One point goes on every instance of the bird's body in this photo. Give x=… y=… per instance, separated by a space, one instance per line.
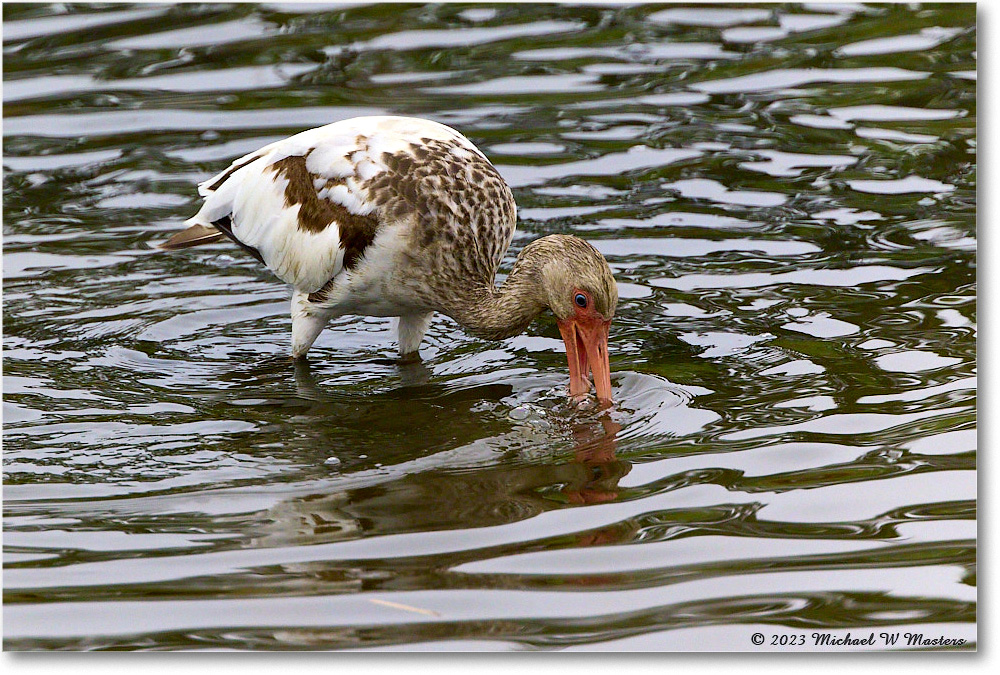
x=389 y=216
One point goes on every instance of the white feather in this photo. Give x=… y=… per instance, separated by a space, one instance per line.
x=254 y=197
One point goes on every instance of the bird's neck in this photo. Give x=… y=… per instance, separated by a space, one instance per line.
x=497 y=312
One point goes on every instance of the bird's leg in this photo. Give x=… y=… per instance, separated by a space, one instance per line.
x=412 y=328
x=305 y=382
x=308 y=322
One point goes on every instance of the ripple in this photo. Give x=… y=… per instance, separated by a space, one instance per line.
x=927 y=38
x=524 y=84
x=792 y=164
x=635 y=158
x=683 y=552
x=788 y=24
x=914 y=361
x=460 y=37
x=676 y=219
x=900 y=186
x=822 y=326
x=796 y=77
x=698 y=247
x=68 y=22
x=661 y=408
x=820 y=277
x=951 y=442
x=709 y=17
x=892 y=113
x=643 y=51
x=871 y=498
x=841 y=424
x=893 y=135
x=703 y=188
x=246 y=28
x=115 y=122
x=458 y=605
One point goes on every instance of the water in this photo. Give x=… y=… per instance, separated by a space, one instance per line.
x=785 y=193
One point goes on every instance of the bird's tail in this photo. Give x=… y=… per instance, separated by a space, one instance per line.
x=196 y=235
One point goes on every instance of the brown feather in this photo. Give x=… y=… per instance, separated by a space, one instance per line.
x=196 y=235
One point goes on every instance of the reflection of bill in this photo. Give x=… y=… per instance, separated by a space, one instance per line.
x=595 y=450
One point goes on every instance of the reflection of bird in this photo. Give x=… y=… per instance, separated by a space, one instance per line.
x=395 y=216
x=429 y=496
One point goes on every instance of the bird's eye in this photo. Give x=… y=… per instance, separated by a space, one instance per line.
x=580 y=300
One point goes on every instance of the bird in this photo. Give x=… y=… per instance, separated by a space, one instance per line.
x=403 y=217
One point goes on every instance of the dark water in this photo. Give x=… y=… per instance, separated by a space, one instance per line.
x=787 y=197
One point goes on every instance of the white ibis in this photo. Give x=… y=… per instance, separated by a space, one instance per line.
x=403 y=217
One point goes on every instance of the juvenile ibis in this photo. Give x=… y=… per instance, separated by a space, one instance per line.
x=404 y=217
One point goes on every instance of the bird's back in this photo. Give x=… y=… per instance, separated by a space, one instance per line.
x=404 y=202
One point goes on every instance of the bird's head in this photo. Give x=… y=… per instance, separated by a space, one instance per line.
x=577 y=285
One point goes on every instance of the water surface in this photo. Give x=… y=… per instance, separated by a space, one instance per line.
x=785 y=193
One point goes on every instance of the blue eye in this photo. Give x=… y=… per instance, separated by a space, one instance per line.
x=581 y=300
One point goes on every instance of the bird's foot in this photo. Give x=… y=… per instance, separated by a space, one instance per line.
x=409 y=358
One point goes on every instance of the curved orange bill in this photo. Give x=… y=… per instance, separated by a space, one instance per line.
x=587 y=351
